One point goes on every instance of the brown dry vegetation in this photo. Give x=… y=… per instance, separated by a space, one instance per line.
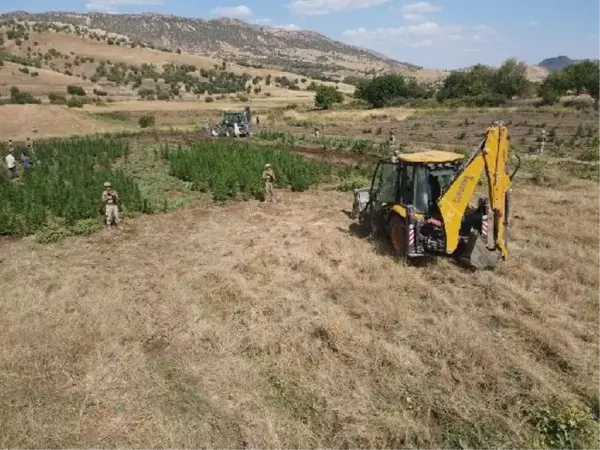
x=275 y=326
x=18 y=121
x=101 y=51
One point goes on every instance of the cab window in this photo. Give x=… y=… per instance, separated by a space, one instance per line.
x=408 y=180
x=389 y=183
x=385 y=183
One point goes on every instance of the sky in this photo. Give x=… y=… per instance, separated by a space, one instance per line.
x=442 y=34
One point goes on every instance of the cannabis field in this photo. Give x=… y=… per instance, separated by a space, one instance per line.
x=230 y=170
x=64 y=188
x=65 y=185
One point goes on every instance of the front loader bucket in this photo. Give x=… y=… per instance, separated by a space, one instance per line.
x=476 y=255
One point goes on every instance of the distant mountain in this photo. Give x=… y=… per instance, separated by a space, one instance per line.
x=558 y=63
x=299 y=51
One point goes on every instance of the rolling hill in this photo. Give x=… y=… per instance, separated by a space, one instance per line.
x=557 y=63
x=304 y=52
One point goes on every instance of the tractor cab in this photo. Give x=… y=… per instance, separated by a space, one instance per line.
x=240 y=119
x=415 y=181
x=230 y=118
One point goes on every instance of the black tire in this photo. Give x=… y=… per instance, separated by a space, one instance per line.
x=398 y=237
x=375 y=224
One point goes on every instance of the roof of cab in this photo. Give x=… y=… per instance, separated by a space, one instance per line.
x=431 y=156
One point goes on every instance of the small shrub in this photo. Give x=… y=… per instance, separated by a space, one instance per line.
x=51 y=233
x=85 y=227
x=147 y=121
x=589 y=153
x=75 y=90
x=57 y=99
x=545 y=174
x=209 y=99
x=563 y=426
x=75 y=102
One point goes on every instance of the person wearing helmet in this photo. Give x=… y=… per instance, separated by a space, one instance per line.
x=268 y=178
x=110 y=198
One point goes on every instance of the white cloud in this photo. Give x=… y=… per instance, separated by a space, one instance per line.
x=420 y=8
x=534 y=23
x=232 y=11
x=111 y=6
x=423 y=43
x=414 y=17
x=323 y=7
x=426 y=34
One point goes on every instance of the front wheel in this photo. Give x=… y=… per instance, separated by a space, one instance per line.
x=398 y=237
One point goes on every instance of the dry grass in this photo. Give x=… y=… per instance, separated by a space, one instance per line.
x=274 y=326
x=102 y=51
x=18 y=121
x=47 y=81
x=344 y=117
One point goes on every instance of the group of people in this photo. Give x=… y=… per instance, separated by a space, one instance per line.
x=110 y=198
x=26 y=158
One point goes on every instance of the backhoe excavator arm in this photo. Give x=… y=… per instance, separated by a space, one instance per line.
x=492 y=157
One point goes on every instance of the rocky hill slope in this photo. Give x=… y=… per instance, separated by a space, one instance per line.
x=557 y=63
x=304 y=52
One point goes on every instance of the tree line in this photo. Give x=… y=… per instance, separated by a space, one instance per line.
x=481 y=86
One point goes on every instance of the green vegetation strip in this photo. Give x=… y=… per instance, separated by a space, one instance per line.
x=65 y=185
x=61 y=196
x=231 y=170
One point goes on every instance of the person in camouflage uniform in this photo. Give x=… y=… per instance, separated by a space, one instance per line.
x=392 y=136
x=268 y=178
x=110 y=198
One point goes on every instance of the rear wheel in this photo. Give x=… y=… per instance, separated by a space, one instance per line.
x=398 y=237
x=376 y=224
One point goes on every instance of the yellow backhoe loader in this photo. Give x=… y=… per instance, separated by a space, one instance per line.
x=421 y=202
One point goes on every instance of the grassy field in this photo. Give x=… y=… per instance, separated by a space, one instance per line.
x=274 y=326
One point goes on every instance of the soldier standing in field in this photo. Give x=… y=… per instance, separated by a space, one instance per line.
x=542 y=141
x=110 y=198
x=268 y=178
x=29 y=147
x=392 y=136
x=11 y=164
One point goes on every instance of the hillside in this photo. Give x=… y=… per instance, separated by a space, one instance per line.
x=557 y=63
x=44 y=58
x=303 y=52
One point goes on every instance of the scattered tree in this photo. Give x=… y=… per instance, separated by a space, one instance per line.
x=327 y=96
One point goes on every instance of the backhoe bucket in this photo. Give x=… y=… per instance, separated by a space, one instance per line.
x=476 y=255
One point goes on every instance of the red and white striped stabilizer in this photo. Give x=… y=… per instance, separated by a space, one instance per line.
x=484 y=226
x=411 y=235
